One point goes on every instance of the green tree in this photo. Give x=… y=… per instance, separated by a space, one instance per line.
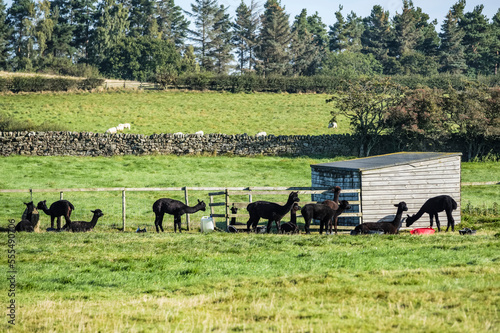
x=306 y=55
x=83 y=12
x=351 y=65
x=140 y=58
x=205 y=13
x=245 y=30
x=377 y=37
x=172 y=23
x=60 y=45
x=366 y=103
x=44 y=27
x=452 y=57
x=345 y=34
x=21 y=17
x=142 y=18
x=495 y=47
x=221 y=46
x=275 y=37
x=477 y=41
x=5 y=32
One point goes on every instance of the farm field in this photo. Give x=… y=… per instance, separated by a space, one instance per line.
x=169 y=112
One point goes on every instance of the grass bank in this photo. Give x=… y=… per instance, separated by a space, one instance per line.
x=170 y=112
x=233 y=282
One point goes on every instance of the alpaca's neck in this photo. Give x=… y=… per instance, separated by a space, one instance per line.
x=418 y=215
x=193 y=209
x=94 y=220
x=46 y=210
x=397 y=220
x=336 y=197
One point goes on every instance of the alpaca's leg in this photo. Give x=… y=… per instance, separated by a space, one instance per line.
x=252 y=222
x=438 y=224
x=269 y=225
x=52 y=222
x=278 y=225
x=158 y=221
x=67 y=219
x=451 y=220
x=58 y=223
x=306 y=225
x=177 y=221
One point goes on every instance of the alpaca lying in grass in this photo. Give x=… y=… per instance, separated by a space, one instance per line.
x=432 y=207
x=29 y=220
x=291 y=227
x=384 y=227
x=82 y=226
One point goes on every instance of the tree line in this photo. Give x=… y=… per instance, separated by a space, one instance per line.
x=143 y=39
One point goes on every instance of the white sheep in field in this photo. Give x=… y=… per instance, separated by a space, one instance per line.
x=199 y=133
x=126 y=125
x=261 y=134
x=111 y=130
x=332 y=125
x=180 y=134
x=120 y=127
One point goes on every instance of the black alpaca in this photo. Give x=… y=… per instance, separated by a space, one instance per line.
x=29 y=219
x=432 y=207
x=291 y=227
x=334 y=204
x=82 y=226
x=343 y=205
x=270 y=211
x=57 y=209
x=175 y=208
x=324 y=213
x=385 y=227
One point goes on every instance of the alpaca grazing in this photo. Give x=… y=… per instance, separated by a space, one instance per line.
x=385 y=227
x=175 y=208
x=270 y=211
x=432 y=207
x=82 y=226
x=291 y=227
x=29 y=220
x=324 y=213
x=56 y=210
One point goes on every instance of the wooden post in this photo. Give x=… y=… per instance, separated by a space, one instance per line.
x=123 y=210
x=61 y=195
x=186 y=198
x=211 y=207
x=227 y=209
x=31 y=194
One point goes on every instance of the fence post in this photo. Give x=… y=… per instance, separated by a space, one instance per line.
x=61 y=195
x=123 y=210
x=31 y=194
x=227 y=209
x=187 y=204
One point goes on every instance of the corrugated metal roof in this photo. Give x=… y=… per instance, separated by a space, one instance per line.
x=382 y=161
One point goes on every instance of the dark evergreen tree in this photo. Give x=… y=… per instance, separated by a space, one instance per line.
x=245 y=30
x=44 y=28
x=345 y=34
x=275 y=38
x=306 y=54
x=142 y=18
x=452 y=57
x=495 y=47
x=221 y=46
x=377 y=37
x=172 y=23
x=477 y=41
x=83 y=12
x=60 y=45
x=5 y=32
x=21 y=17
x=205 y=13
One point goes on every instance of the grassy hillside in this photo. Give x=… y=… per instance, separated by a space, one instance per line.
x=169 y=112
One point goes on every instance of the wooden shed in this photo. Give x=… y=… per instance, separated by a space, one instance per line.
x=385 y=180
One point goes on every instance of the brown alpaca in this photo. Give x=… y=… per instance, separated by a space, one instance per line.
x=385 y=227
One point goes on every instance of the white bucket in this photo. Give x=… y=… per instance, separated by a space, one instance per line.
x=207 y=224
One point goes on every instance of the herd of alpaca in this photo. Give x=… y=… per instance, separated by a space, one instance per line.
x=327 y=212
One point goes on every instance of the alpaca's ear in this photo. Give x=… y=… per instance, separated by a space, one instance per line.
x=396 y=205
x=92 y=211
x=408 y=215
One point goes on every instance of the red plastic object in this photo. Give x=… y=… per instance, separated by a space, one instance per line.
x=422 y=231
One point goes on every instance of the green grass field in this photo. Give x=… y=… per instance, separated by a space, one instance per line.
x=113 y=281
x=169 y=112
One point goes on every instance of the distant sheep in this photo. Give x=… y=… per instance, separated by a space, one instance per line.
x=261 y=134
x=180 y=134
x=112 y=130
x=120 y=127
x=199 y=133
x=332 y=125
x=126 y=125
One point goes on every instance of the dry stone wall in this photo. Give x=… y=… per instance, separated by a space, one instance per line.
x=98 y=144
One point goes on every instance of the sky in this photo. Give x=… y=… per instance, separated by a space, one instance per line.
x=436 y=9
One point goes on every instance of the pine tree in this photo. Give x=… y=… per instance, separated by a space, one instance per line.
x=5 y=32
x=275 y=38
x=245 y=30
x=377 y=36
x=221 y=46
x=60 y=44
x=406 y=30
x=345 y=34
x=44 y=27
x=205 y=13
x=142 y=18
x=495 y=47
x=452 y=58
x=83 y=13
x=477 y=41
x=305 y=53
x=172 y=23
x=21 y=17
